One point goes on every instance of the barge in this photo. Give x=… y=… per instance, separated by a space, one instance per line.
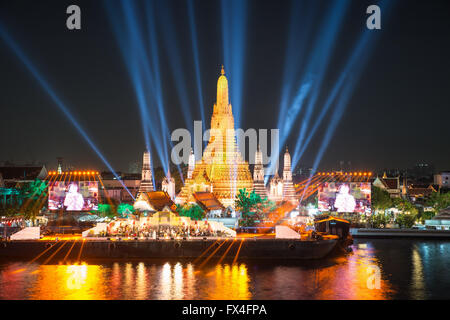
x=165 y=248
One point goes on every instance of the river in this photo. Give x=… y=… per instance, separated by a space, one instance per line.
x=407 y=269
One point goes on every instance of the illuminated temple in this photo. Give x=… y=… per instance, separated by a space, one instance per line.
x=222 y=170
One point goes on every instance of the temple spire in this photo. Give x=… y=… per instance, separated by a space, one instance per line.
x=222 y=93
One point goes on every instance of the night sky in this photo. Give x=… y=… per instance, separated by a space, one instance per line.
x=398 y=114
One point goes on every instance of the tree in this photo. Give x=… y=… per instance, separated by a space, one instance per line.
x=33 y=191
x=439 y=201
x=8 y=211
x=425 y=215
x=381 y=200
x=377 y=220
x=124 y=209
x=193 y=211
x=405 y=220
x=405 y=206
x=251 y=206
x=105 y=210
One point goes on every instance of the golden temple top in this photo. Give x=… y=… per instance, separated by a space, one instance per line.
x=222 y=92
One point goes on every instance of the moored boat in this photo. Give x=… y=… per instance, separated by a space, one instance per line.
x=230 y=248
x=336 y=228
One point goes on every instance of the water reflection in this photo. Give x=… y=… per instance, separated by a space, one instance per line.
x=417 y=282
x=353 y=276
x=71 y=282
x=229 y=282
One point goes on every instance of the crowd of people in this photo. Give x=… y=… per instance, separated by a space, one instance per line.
x=160 y=231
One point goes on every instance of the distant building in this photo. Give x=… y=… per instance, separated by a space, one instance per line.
x=112 y=188
x=442 y=179
x=23 y=173
x=11 y=179
x=391 y=185
x=441 y=221
x=420 y=191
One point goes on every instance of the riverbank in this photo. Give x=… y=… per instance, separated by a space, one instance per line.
x=400 y=233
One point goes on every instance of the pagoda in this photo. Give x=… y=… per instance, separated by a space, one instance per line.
x=222 y=170
x=282 y=189
x=146 y=185
x=258 y=175
x=288 y=186
x=146 y=180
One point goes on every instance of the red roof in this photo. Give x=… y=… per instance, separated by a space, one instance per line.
x=161 y=199
x=208 y=201
x=391 y=183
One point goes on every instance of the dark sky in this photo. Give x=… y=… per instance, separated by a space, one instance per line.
x=397 y=115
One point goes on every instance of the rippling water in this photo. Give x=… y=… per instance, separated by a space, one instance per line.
x=409 y=269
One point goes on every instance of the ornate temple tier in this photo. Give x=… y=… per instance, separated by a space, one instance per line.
x=222 y=170
x=258 y=175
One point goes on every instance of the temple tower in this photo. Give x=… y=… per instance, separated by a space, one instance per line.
x=191 y=165
x=258 y=175
x=146 y=180
x=288 y=187
x=222 y=170
x=168 y=185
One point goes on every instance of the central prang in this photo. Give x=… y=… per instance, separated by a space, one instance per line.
x=222 y=170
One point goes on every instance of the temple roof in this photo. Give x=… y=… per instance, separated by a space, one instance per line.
x=160 y=199
x=390 y=183
x=208 y=201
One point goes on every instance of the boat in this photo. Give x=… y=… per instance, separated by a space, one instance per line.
x=335 y=228
x=134 y=248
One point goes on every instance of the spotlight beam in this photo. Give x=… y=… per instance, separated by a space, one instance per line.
x=295 y=50
x=320 y=61
x=313 y=76
x=144 y=77
x=171 y=42
x=234 y=20
x=350 y=75
x=194 y=40
x=62 y=106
